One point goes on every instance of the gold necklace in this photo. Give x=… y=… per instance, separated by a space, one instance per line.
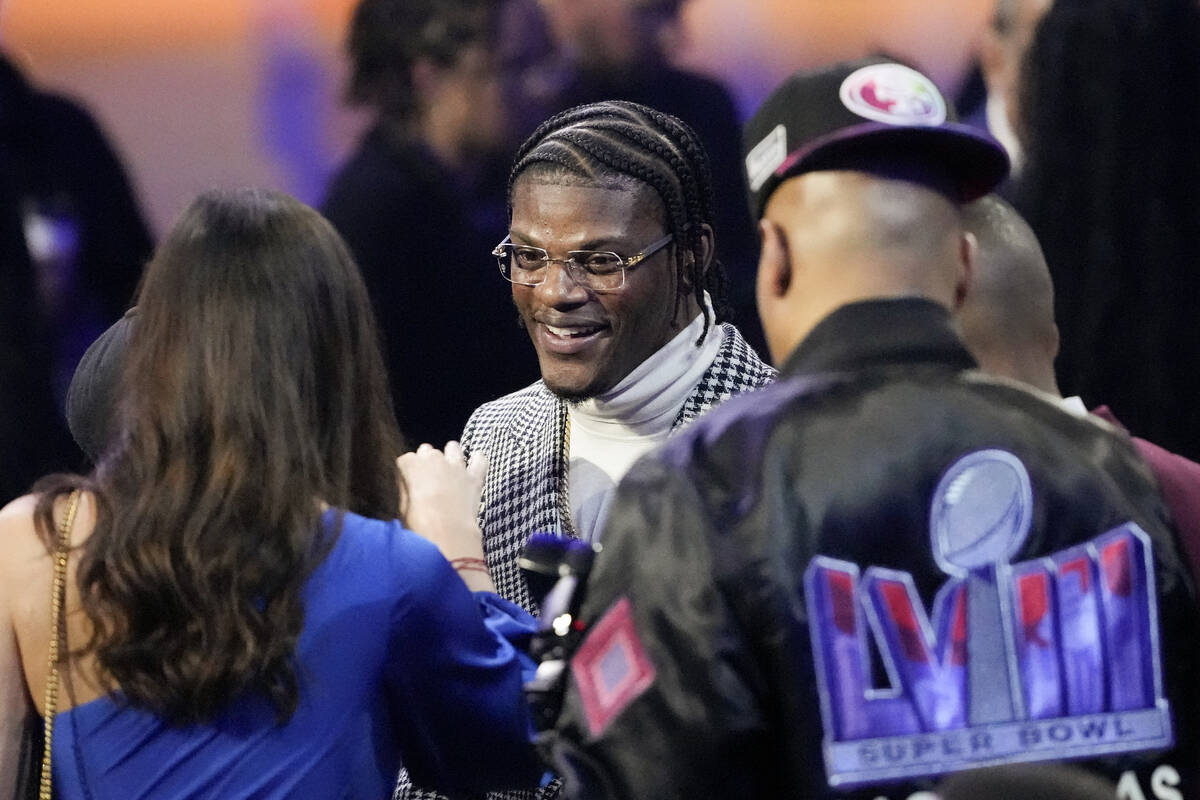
x=564 y=475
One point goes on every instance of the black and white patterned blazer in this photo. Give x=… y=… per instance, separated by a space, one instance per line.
x=523 y=434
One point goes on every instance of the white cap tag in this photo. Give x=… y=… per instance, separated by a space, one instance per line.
x=765 y=158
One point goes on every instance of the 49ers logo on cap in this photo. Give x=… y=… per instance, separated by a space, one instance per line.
x=894 y=94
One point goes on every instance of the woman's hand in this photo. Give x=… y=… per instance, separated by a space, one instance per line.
x=443 y=500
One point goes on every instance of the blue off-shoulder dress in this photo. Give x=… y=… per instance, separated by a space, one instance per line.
x=397 y=660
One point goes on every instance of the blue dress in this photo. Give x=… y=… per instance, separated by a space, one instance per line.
x=397 y=659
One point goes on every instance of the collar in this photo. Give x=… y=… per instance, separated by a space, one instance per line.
x=1074 y=404
x=656 y=389
x=884 y=332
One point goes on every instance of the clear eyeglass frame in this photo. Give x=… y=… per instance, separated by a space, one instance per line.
x=598 y=270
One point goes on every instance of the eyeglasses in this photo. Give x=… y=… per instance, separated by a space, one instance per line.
x=598 y=270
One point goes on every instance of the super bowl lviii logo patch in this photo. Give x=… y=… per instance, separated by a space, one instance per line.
x=893 y=93
x=1053 y=658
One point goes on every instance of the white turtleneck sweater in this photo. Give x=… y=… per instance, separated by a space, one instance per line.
x=612 y=430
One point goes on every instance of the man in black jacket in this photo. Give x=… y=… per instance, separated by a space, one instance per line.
x=886 y=568
x=420 y=202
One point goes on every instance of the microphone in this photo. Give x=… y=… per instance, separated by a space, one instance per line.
x=556 y=569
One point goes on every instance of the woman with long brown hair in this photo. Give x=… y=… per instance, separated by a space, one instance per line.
x=244 y=613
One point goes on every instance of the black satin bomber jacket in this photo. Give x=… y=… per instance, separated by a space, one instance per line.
x=702 y=672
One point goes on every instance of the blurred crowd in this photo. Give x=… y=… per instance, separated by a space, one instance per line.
x=454 y=87
x=1084 y=288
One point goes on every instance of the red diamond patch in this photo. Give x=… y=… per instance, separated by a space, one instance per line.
x=611 y=668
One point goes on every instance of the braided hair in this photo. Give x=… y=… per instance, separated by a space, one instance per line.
x=619 y=140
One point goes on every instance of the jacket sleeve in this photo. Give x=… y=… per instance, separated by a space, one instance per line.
x=660 y=698
x=454 y=679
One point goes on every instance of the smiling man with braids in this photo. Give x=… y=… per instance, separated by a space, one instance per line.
x=610 y=258
x=610 y=255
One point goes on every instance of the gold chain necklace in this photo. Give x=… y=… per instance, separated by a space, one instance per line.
x=564 y=475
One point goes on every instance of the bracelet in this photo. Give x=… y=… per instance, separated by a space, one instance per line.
x=474 y=564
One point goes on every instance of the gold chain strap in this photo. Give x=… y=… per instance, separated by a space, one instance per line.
x=57 y=591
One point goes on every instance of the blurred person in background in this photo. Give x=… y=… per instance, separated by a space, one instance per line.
x=72 y=245
x=1002 y=51
x=1109 y=126
x=624 y=50
x=421 y=202
x=246 y=615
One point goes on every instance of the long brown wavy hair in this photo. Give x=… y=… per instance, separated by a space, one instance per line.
x=254 y=390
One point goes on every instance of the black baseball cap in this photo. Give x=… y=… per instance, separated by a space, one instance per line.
x=95 y=386
x=871 y=111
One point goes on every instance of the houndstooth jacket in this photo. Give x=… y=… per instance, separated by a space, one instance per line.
x=524 y=436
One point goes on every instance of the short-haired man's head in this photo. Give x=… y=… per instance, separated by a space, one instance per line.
x=614 y=143
x=855 y=234
x=387 y=37
x=1008 y=317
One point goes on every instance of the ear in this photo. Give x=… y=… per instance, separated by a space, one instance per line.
x=773 y=285
x=1053 y=344
x=774 y=262
x=968 y=251
x=707 y=248
x=703 y=255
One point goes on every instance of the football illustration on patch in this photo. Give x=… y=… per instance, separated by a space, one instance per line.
x=981 y=513
x=1052 y=658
